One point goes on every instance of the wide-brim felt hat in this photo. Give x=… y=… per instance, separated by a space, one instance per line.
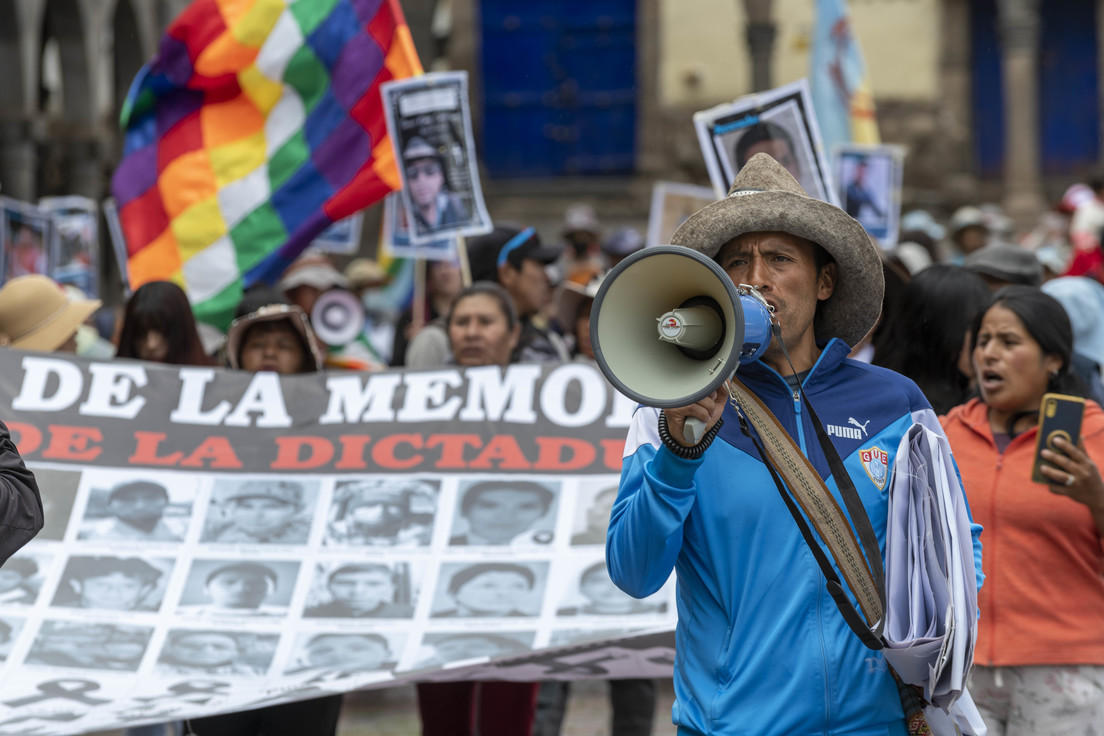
x=36 y=314
x=766 y=198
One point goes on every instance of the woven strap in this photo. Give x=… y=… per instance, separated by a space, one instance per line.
x=816 y=501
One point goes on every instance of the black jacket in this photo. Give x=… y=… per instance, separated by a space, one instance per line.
x=20 y=503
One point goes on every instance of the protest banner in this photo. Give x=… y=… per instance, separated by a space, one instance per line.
x=869 y=179
x=220 y=540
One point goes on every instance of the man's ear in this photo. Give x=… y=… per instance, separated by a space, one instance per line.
x=826 y=280
x=506 y=275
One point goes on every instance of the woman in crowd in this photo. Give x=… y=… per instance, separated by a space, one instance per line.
x=158 y=326
x=1039 y=659
x=929 y=341
x=483 y=329
x=271 y=335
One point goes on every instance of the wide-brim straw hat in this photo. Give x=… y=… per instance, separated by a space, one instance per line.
x=766 y=198
x=294 y=315
x=36 y=313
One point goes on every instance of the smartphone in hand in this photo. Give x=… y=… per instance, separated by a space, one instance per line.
x=1059 y=416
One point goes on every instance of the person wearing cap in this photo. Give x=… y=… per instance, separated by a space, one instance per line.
x=137 y=513
x=238 y=589
x=382 y=513
x=435 y=208
x=271 y=335
x=1001 y=264
x=582 y=233
x=967 y=231
x=517 y=261
x=760 y=647
x=308 y=277
x=263 y=512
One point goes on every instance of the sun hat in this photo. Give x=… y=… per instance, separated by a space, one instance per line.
x=570 y=296
x=581 y=217
x=295 y=316
x=766 y=198
x=312 y=269
x=365 y=273
x=1006 y=262
x=36 y=314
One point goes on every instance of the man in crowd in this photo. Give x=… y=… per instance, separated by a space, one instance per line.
x=760 y=648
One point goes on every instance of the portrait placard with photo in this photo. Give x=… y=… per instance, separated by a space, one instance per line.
x=395 y=238
x=429 y=121
x=780 y=123
x=75 y=246
x=869 y=179
x=26 y=232
x=672 y=203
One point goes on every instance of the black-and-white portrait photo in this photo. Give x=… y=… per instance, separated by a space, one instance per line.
x=9 y=632
x=59 y=490
x=361 y=590
x=780 y=123
x=75 y=247
x=592 y=513
x=429 y=121
x=497 y=512
x=238 y=587
x=344 y=651
x=131 y=509
x=490 y=589
x=438 y=649
x=207 y=652
x=21 y=579
x=596 y=595
x=89 y=646
x=113 y=583
x=383 y=512
x=261 y=511
x=395 y=233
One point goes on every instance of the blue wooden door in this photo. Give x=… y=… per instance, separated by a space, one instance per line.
x=1069 y=92
x=558 y=87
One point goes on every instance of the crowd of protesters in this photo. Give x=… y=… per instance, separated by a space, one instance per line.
x=983 y=317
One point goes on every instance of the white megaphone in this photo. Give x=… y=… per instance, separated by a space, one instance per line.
x=668 y=327
x=337 y=317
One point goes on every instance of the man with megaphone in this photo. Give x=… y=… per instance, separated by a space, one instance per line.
x=761 y=646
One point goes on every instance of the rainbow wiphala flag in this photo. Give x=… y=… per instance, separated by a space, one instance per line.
x=257 y=124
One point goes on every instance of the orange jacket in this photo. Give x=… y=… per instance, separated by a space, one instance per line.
x=1043 y=598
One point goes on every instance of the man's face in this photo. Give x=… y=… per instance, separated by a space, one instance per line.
x=237 y=589
x=351 y=652
x=783 y=268
x=493 y=593
x=366 y=589
x=780 y=151
x=466 y=647
x=425 y=178
x=205 y=650
x=115 y=591
x=261 y=516
x=529 y=287
x=598 y=587
x=9 y=580
x=500 y=515
x=140 y=506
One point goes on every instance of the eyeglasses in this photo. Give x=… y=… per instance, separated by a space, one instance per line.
x=429 y=168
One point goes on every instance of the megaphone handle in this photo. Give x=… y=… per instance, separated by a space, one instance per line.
x=693 y=429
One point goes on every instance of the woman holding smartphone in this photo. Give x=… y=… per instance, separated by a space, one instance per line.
x=1039 y=658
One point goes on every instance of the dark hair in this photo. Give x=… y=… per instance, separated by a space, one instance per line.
x=82 y=568
x=135 y=486
x=1046 y=321
x=177 y=636
x=361 y=567
x=25 y=566
x=375 y=638
x=248 y=568
x=924 y=339
x=759 y=133
x=465 y=576
x=493 y=290
x=478 y=489
x=162 y=306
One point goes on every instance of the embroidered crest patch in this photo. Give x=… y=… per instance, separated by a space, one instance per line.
x=875 y=462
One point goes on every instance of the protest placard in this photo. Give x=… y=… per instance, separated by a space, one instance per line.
x=869 y=180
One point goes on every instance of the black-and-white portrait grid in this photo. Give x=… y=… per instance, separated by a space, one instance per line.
x=429 y=121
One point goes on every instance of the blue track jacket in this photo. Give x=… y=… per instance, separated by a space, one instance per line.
x=760 y=647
